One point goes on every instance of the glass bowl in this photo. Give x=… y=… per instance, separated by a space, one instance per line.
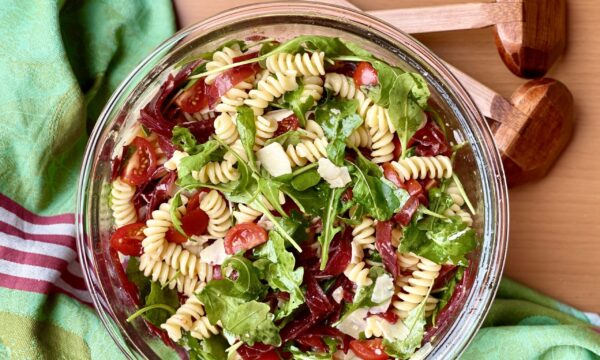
x=479 y=165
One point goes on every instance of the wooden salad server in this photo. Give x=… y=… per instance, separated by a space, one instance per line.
x=530 y=34
x=531 y=129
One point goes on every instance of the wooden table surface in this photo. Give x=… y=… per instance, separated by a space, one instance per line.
x=554 y=242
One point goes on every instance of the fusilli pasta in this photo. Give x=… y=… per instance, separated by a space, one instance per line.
x=183 y=318
x=225 y=129
x=270 y=88
x=415 y=291
x=360 y=138
x=122 y=203
x=417 y=167
x=187 y=263
x=304 y=64
x=161 y=272
x=173 y=163
x=218 y=213
x=220 y=58
x=203 y=329
x=217 y=173
x=358 y=273
x=235 y=96
x=156 y=228
x=265 y=129
x=313 y=86
x=247 y=214
x=307 y=151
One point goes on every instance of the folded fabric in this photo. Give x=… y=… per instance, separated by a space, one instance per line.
x=59 y=63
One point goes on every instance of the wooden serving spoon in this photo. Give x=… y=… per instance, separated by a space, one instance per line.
x=531 y=129
x=530 y=34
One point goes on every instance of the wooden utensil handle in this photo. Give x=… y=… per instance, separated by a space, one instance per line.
x=451 y=17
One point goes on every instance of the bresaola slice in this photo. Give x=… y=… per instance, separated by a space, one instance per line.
x=383 y=243
x=430 y=141
x=340 y=254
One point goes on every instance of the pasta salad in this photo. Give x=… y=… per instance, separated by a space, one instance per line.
x=296 y=199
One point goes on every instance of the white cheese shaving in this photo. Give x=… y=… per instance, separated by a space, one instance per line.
x=214 y=253
x=382 y=294
x=354 y=323
x=278 y=115
x=336 y=176
x=274 y=159
x=338 y=294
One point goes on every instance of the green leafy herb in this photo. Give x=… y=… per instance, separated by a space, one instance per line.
x=408 y=98
x=293 y=100
x=137 y=277
x=209 y=151
x=235 y=304
x=270 y=190
x=386 y=76
x=185 y=140
x=339 y=119
x=288 y=138
x=329 y=230
x=415 y=321
x=306 y=180
x=280 y=273
x=363 y=296
x=300 y=355
x=164 y=300
x=246 y=127
x=447 y=292
x=212 y=348
x=310 y=201
x=445 y=241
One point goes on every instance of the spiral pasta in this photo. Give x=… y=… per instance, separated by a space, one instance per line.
x=270 y=88
x=161 y=272
x=265 y=129
x=360 y=138
x=417 y=167
x=187 y=263
x=456 y=208
x=408 y=261
x=363 y=237
x=203 y=329
x=314 y=130
x=344 y=87
x=235 y=96
x=173 y=163
x=216 y=208
x=358 y=273
x=307 y=151
x=248 y=214
x=304 y=64
x=220 y=58
x=123 y=210
x=238 y=148
x=216 y=173
x=417 y=287
x=183 y=318
x=225 y=129
x=156 y=228
x=313 y=86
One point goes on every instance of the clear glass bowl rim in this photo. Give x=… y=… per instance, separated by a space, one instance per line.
x=485 y=285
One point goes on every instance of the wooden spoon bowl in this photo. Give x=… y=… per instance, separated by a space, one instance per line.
x=536 y=130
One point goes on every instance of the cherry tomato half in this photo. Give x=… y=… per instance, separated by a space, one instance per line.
x=194 y=98
x=141 y=164
x=243 y=237
x=369 y=349
x=174 y=236
x=128 y=239
x=365 y=75
x=194 y=222
x=397 y=147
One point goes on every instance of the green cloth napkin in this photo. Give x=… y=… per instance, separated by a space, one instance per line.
x=59 y=63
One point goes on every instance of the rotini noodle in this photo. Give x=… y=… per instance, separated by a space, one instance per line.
x=304 y=64
x=417 y=167
x=217 y=173
x=248 y=214
x=187 y=263
x=455 y=210
x=173 y=163
x=161 y=272
x=203 y=329
x=265 y=129
x=218 y=213
x=313 y=86
x=123 y=210
x=307 y=151
x=358 y=273
x=220 y=58
x=270 y=88
x=314 y=130
x=235 y=96
x=183 y=318
x=360 y=138
x=156 y=228
x=238 y=148
x=412 y=294
x=225 y=129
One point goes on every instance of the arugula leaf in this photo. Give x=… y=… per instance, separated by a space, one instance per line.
x=444 y=242
x=212 y=348
x=158 y=295
x=310 y=201
x=183 y=138
x=137 y=277
x=209 y=151
x=329 y=215
x=379 y=198
x=300 y=355
x=288 y=138
x=386 y=76
x=246 y=127
x=338 y=119
x=270 y=190
x=293 y=100
x=415 y=321
x=234 y=304
x=280 y=273
x=408 y=99
x=306 y=180
x=331 y=46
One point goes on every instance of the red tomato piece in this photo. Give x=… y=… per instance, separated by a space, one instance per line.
x=141 y=164
x=194 y=222
x=243 y=237
x=369 y=349
x=128 y=239
x=289 y=123
x=365 y=75
x=174 y=236
x=390 y=173
x=397 y=147
x=193 y=99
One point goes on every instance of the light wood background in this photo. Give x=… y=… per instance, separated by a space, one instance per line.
x=555 y=223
